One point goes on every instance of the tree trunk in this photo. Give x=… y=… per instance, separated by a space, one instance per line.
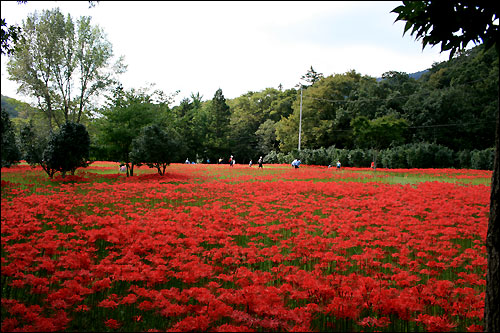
x=130 y=169
x=491 y=308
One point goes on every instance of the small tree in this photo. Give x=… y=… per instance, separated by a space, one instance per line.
x=32 y=144
x=156 y=147
x=10 y=150
x=67 y=150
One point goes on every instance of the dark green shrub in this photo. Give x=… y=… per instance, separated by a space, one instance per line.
x=67 y=149
x=10 y=151
x=483 y=159
x=156 y=147
x=463 y=159
x=360 y=158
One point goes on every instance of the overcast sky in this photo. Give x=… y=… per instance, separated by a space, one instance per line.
x=242 y=46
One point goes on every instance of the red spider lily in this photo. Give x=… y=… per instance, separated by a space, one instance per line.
x=232 y=328
x=475 y=328
x=377 y=322
x=191 y=323
x=257 y=253
x=112 y=324
x=82 y=308
x=435 y=323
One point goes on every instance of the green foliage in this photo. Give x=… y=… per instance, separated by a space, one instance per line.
x=10 y=150
x=427 y=155
x=466 y=21
x=378 y=133
x=62 y=64
x=191 y=125
x=67 y=149
x=9 y=106
x=311 y=77
x=266 y=137
x=218 y=135
x=483 y=159
x=360 y=158
x=9 y=36
x=415 y=155
x=157 y=147
x=127 y=114
x=463 y=159
x=418 y=155
x=453 y=105
x=394 y=158
x=32 y=144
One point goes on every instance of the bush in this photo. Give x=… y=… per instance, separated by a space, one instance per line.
x=429 y=155
x=10 y=151
x=483 y=159
x=66 y=150
x=156 y=147
x=463 y=159
x=415 y=155
x=394 y=158
x=360 y=158
x=271 y=157
x=341 y=155
x=32 y=145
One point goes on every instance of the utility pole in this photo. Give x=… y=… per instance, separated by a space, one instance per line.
x=300 y=117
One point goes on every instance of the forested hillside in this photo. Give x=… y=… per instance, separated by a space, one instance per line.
x=451 y=105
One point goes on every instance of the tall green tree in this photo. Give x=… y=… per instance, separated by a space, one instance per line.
x=249 y=112
x=311 y=77
x=325 y=119
x=191 y=124
x=123 y=119
x=219 y=116
x=62 y=65
x=455 y=24
x=266 y=137
x=456 y=102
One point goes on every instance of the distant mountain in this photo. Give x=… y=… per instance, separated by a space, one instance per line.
x=415 y=75
x=9 y=106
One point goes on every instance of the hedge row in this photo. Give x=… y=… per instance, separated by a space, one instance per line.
x=415 y=155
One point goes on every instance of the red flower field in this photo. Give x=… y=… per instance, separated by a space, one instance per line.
x=213 y=248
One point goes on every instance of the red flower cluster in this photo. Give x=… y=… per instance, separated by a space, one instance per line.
x=274 y=249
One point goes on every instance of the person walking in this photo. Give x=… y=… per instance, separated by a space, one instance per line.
x=231 y=161
x=338 y=165
x=260 y=163
x=250 y=164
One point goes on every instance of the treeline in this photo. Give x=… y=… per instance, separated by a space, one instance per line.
x=446 y=118
x=415 y=155
x=453 y=104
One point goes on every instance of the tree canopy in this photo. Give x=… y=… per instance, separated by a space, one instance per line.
x=62 y=64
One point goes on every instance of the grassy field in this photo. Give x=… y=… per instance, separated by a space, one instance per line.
x=219 y=248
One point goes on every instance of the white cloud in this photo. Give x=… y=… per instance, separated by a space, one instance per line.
x=242 y=46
